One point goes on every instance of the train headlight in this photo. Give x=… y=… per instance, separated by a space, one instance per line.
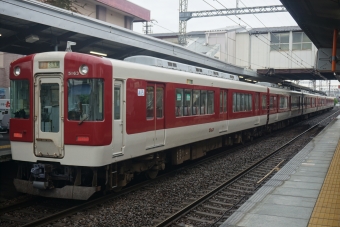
x=84 y=69
x=17 y=71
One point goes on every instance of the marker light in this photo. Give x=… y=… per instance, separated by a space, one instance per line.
x=17 y=135
x=17 y=71
x=83 y=139
x=84 y=69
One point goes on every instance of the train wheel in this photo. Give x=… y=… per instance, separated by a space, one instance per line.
x=151 y=174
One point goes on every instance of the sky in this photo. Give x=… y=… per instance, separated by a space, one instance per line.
x=165 y=12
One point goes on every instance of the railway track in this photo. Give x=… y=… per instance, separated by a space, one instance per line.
x=223 y=203
x=215 y=206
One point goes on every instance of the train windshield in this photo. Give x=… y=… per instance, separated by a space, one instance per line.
x=85 y=99
x=20 y=102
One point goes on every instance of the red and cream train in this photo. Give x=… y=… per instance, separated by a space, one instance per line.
x=82 y=123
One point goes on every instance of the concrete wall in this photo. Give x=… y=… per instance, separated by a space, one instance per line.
x=259 y=55
x=242 y=47
x=100 y=12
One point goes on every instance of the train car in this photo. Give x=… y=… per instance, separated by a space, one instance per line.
x=82 y=124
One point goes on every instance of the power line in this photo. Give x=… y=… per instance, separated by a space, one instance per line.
x=275 y=34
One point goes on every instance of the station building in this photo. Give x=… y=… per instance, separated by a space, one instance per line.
x=258 y=48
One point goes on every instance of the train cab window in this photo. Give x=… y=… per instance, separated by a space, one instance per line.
x=85 y=99
x=159 y=102
x=20 y=100
x=204 y=103
x=187 y=102
x=179 y=102
x=211 y=95
x=116 y=102
x=283 y=102
x=196 y=100
x=150 y=99
x=264 y=102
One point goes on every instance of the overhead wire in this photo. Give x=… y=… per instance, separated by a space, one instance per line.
x=275 y=35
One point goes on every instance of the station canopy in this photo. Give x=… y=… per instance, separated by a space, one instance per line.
x=317 y=19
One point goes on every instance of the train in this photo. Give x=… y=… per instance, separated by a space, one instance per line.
x=81 y=124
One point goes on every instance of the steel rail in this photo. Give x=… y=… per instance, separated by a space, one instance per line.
x=203 y=198
x=67 y=212
x=20 y=204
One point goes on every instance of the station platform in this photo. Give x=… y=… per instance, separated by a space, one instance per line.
x=305 y=192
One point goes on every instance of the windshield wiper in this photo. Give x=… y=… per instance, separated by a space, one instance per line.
x=80 y=122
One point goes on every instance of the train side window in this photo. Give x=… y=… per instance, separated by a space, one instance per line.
x=264 y=102
x=283 y=102
x=117 y=103
x=204 y=104
x=225 y=101
x=221 y=101
x=196 y=108
x=211 y=95
x=234 y=102
x=243 y=102
x=271 y=102
x=179 y=102
x=150 y=103
x=159 y=102
x=256 y=101
x=250 y=106
x=187 y=102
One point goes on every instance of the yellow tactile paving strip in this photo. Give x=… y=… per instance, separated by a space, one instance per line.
x=5 y=146
x=327 y=209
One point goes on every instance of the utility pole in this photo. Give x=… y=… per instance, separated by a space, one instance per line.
x=182 y=36
x=147 y=28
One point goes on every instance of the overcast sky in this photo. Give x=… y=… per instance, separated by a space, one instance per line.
x=165 y=12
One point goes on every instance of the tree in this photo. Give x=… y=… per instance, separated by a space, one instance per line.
x=64 y=4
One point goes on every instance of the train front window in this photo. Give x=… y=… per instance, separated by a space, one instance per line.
x=85 y=99
x=49 y=99
x=20 y=99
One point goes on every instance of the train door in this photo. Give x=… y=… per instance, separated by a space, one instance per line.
x=223 y=111
x=118 y=119
x=257 y=108
x=48 y=117
x=155 y=114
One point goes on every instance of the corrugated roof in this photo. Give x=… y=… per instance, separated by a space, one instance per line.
x=275 y=29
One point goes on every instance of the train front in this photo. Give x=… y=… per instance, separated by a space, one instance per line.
x=61 y=123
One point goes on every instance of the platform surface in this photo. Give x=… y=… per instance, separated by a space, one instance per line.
x=291 y=196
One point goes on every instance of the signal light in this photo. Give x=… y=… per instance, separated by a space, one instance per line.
x=17 y=135
x=83 y=139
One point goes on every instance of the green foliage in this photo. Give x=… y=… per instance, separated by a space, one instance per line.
x=64 y=4
x=335 y=101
